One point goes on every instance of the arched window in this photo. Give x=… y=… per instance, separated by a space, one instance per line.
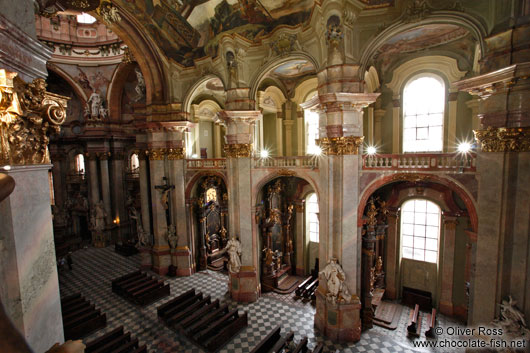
x=423 y=114
x=420 y=230
x=312 y=217
x=135 y=163
x=80 y=164
x=311 y=128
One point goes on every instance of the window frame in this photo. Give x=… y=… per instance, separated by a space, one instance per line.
x=310 y=221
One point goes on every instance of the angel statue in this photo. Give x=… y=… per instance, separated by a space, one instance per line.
x=233 y=247
x=335 y=276
x=172 y=236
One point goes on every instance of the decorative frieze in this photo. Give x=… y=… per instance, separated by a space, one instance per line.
x=238 y=150
x=156 y=154
x=504 y=139
x=28 y=115
x=343 y=145
x=176 y=153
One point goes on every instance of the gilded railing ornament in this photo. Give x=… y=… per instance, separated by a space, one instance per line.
x=238 y=150
x=340 y=145
x=503 y=139
x=28 y=115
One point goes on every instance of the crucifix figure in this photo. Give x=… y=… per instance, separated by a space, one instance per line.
x=165 y=189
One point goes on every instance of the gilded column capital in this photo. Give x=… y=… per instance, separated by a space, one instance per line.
x=156 y=154
x=103 y=156
x=28 y=115
x=238 y=150
x=176 y=153
x=343 y=145
x=504 y=139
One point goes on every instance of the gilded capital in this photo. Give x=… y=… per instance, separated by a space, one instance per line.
x=343 y=145
x=238 y=150
x=156 y=154
x=503 y=139
x=28 y=115
x=176 y=153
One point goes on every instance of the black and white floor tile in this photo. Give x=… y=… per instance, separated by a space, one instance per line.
x=94 y=269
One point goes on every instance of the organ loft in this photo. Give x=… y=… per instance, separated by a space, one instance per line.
x=264 y=176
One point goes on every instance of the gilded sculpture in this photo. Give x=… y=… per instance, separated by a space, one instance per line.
x=338 y=146
x=238 y=150
x=503 y=139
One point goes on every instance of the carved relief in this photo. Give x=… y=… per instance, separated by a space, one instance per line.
x=340 y=145
x=28 y=115
x=238 y=150
x=504 y=139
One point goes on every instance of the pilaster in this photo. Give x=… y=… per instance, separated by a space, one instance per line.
x=446 y=295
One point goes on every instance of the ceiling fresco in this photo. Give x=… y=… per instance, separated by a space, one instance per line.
x=190 y=29
x=293 y=69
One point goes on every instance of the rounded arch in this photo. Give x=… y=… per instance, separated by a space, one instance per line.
x=273 y=175
x=452 y=184
x=190 y=185
x=115 y=90
x=259 y=75
x=77 y=89
x=146 y=54
x=469 y=22
x=275 y=94
x=304 y=89
x=191 y=93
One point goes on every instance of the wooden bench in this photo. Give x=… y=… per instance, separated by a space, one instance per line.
x=80 y=317
x=432 y=321
x=274 y=342
x=414 y=326
x=207 y=324
x=302 y=286
x=116 y=341
x=140 y=288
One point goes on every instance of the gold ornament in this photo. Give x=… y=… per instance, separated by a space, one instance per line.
x=176 y=153
x=504 y=139
x=338 y=146
x=28 y=115
x=238 y=150
x=157 y=154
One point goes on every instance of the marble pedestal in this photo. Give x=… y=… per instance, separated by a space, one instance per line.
x=182 y=258
x=243 y=285
x=340 y=322
x=146 y=258
x=29 y=285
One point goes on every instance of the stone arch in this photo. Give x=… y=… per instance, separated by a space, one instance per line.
x=452 y=184
x=115 y=90
x=77 y=89
x=469 y=22
x=256 y=188
x=192 y=92
x=192 y=182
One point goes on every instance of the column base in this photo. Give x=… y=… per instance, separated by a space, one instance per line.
x=244 y=286
x=146 y=258
x=182 y=258
x=446 y=308
x=340 y=322
x=161 y=260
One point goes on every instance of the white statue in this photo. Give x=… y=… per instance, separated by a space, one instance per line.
x=140 y=85
x=143 y=236
x=335 y=276
x=511 y=319
x=95 y=103
x=233 y=247
x=172 y=236
x=97 y=218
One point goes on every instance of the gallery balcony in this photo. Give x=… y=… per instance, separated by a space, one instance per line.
x=424 y=162
x=309 y=162
x=209 y=163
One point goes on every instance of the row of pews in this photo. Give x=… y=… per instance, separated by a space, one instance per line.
x=116 y=341
x=205 y=322
x=307 y=289
x=415 y=319
x=140 y=288
x=275 y=342
x=80 y=317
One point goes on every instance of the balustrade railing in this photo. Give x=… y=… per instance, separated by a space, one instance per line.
x=211 y=163
x=457 y=162
x=287 y=162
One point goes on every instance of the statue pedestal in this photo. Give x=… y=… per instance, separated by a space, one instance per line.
x=340 y=322
x=243 y=285
x=146 y=258
x=172 y=269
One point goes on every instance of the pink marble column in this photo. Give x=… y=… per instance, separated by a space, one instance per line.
x=392 y=254
x=448 y=261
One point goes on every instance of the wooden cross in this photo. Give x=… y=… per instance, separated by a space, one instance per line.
x=165 y=189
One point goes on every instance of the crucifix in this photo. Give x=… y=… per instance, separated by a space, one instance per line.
x=165 y=189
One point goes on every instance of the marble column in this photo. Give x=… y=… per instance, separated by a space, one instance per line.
x=288 y=124
x=144 y=192
x=105 y=185
x=502 y=262
x=396 y=126
x=118 y=187
x=217 y=140
x=279 y=135
x=93 y=178
x=448 y=262
x=370 y=139
x=300 y=125
x=341 y=140
x=29 y=285
x=57 y=159
x=378 y=130
x=301 y=248
x=244 y=286
x=392 y=254
x=451 y=126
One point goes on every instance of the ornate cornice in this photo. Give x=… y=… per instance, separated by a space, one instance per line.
x=28 y=115
x=504 y=139
x=340 y=145
x=238 y=150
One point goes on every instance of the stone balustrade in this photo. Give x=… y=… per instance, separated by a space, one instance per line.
x=443 y=162
x=210 y=163
x=287 y=162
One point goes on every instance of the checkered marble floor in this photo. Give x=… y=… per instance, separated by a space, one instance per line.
x=94 y=269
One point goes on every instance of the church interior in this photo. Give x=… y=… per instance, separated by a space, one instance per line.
x=264 y=175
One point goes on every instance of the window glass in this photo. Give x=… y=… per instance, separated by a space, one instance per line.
x=312 y=216
x=420 y=230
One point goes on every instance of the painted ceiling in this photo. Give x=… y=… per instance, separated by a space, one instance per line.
x=190 y=29
x=293 y=69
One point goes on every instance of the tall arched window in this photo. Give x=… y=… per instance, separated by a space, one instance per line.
x=423 y=114
x=312 y=217
x=80 y=164
x=311 y=128
x=135 y=163
x=420 y=230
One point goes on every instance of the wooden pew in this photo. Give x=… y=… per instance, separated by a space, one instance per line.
x=265 y=345
x=80 y=317
x=116 y=341
x=161 y=310
x=274 y=342
x=140 y=288
x=432 y=321
x=414 y=326
x=302 y=286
